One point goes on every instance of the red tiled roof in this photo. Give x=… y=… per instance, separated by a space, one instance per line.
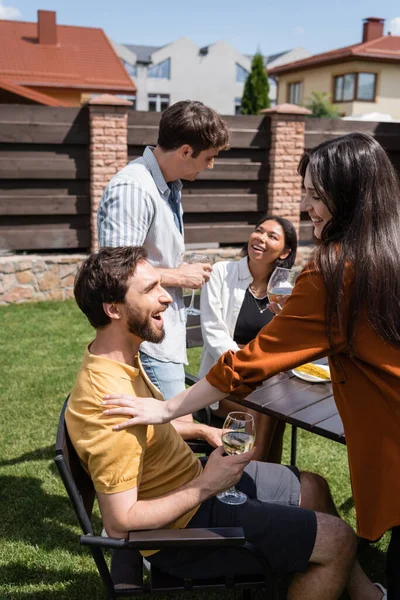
x=83 y=58
x=386 y=48
x=25 y=92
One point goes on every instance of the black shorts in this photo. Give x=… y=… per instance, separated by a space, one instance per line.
x=271 y=520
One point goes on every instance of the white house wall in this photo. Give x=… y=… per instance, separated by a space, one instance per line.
x=210 y=78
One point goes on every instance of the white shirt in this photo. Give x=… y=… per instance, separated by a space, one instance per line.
x=135 y=211
x=220 y=303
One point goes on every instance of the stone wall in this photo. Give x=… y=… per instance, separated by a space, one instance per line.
x=34 y=278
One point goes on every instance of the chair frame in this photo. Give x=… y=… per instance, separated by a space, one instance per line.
x=81 y=493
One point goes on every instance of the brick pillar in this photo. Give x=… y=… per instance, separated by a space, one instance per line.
x=287 y=146
x=108 y=117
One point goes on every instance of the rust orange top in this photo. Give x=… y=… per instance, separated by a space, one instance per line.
x=366 y=387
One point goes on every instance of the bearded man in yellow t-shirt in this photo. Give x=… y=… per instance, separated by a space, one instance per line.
x=146 y=477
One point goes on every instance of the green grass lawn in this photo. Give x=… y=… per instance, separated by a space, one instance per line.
x=40 y=557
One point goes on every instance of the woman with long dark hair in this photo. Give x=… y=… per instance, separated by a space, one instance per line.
x=345 y=305
x=234 y=307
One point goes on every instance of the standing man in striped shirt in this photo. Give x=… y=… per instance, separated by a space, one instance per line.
x=141 y=206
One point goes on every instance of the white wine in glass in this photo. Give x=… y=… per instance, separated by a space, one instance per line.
x=195 y=258
x=239 y=434
x=281 y=284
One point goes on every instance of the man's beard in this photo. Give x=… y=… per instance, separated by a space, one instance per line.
x=142 y=327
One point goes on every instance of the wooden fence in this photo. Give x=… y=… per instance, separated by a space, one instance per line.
x=44 y=177
x=223 y=204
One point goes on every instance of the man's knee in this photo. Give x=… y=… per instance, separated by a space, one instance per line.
x=314 y=493
x=335 y=541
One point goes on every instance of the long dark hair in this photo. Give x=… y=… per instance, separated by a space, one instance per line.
x=290 y=236
x=355 y=179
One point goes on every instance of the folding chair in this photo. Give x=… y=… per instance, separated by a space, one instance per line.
x=127 y=564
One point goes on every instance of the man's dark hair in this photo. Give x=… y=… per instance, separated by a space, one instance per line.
x=103 y=277
x=195 y=124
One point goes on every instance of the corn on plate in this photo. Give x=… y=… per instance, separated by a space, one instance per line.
x=313 y=372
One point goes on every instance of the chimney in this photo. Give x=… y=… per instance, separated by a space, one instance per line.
x=372 y=29
x=47 y=28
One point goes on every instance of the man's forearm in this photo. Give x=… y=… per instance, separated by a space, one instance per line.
x=188 y=430
x=161 y=512
x=172 y=278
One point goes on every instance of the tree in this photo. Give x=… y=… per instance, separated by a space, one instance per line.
x=321 y=106
x=256 y=89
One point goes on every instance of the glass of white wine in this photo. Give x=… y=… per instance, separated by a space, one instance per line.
x=239 y=434
x=195 y=258
x=281 y=284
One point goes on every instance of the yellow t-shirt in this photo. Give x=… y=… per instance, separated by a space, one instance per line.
x=153 y=458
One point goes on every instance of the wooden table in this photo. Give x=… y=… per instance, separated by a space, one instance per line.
x=306 y=405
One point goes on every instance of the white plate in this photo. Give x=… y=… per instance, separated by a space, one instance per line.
x=312 y=378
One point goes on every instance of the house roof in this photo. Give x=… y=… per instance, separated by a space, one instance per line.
x=25 y=92
x=384 y=48
x=280 y=56
x=82 y=58
x=143 y=53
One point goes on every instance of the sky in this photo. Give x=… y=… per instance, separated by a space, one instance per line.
x=269 y=26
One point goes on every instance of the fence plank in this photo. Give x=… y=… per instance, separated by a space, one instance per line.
x=200 y=203
x=320 y=130
x=38 y=238
x=43 y=125
x=224 y=187
x=228 y=170
x=51 y=166
x=44 y=205
x=232 y=233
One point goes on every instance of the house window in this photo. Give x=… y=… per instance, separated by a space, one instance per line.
x=355 y=86
x=295 y=92
x=158 y=102
x=366 y=86
x=241 y=74
x=344 y=88
x=238 y=106
x=131 y=69
x=162 y=70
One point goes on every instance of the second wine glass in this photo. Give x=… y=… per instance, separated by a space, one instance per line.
x=281 y=284
x=195 y=258
x=239 y=434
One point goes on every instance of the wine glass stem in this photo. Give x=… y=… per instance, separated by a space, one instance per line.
x=192 y=300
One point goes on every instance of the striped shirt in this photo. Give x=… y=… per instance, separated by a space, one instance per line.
x=136 y=210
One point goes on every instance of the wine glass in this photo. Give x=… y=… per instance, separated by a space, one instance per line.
x=239 y=434
x=281 y=284
x=195 y=258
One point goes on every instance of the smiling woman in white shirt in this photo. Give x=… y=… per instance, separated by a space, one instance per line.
x=234 y=307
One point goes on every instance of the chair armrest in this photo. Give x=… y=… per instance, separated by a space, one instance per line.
x=191 y=379
x=156 y=539
x=103 y=542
